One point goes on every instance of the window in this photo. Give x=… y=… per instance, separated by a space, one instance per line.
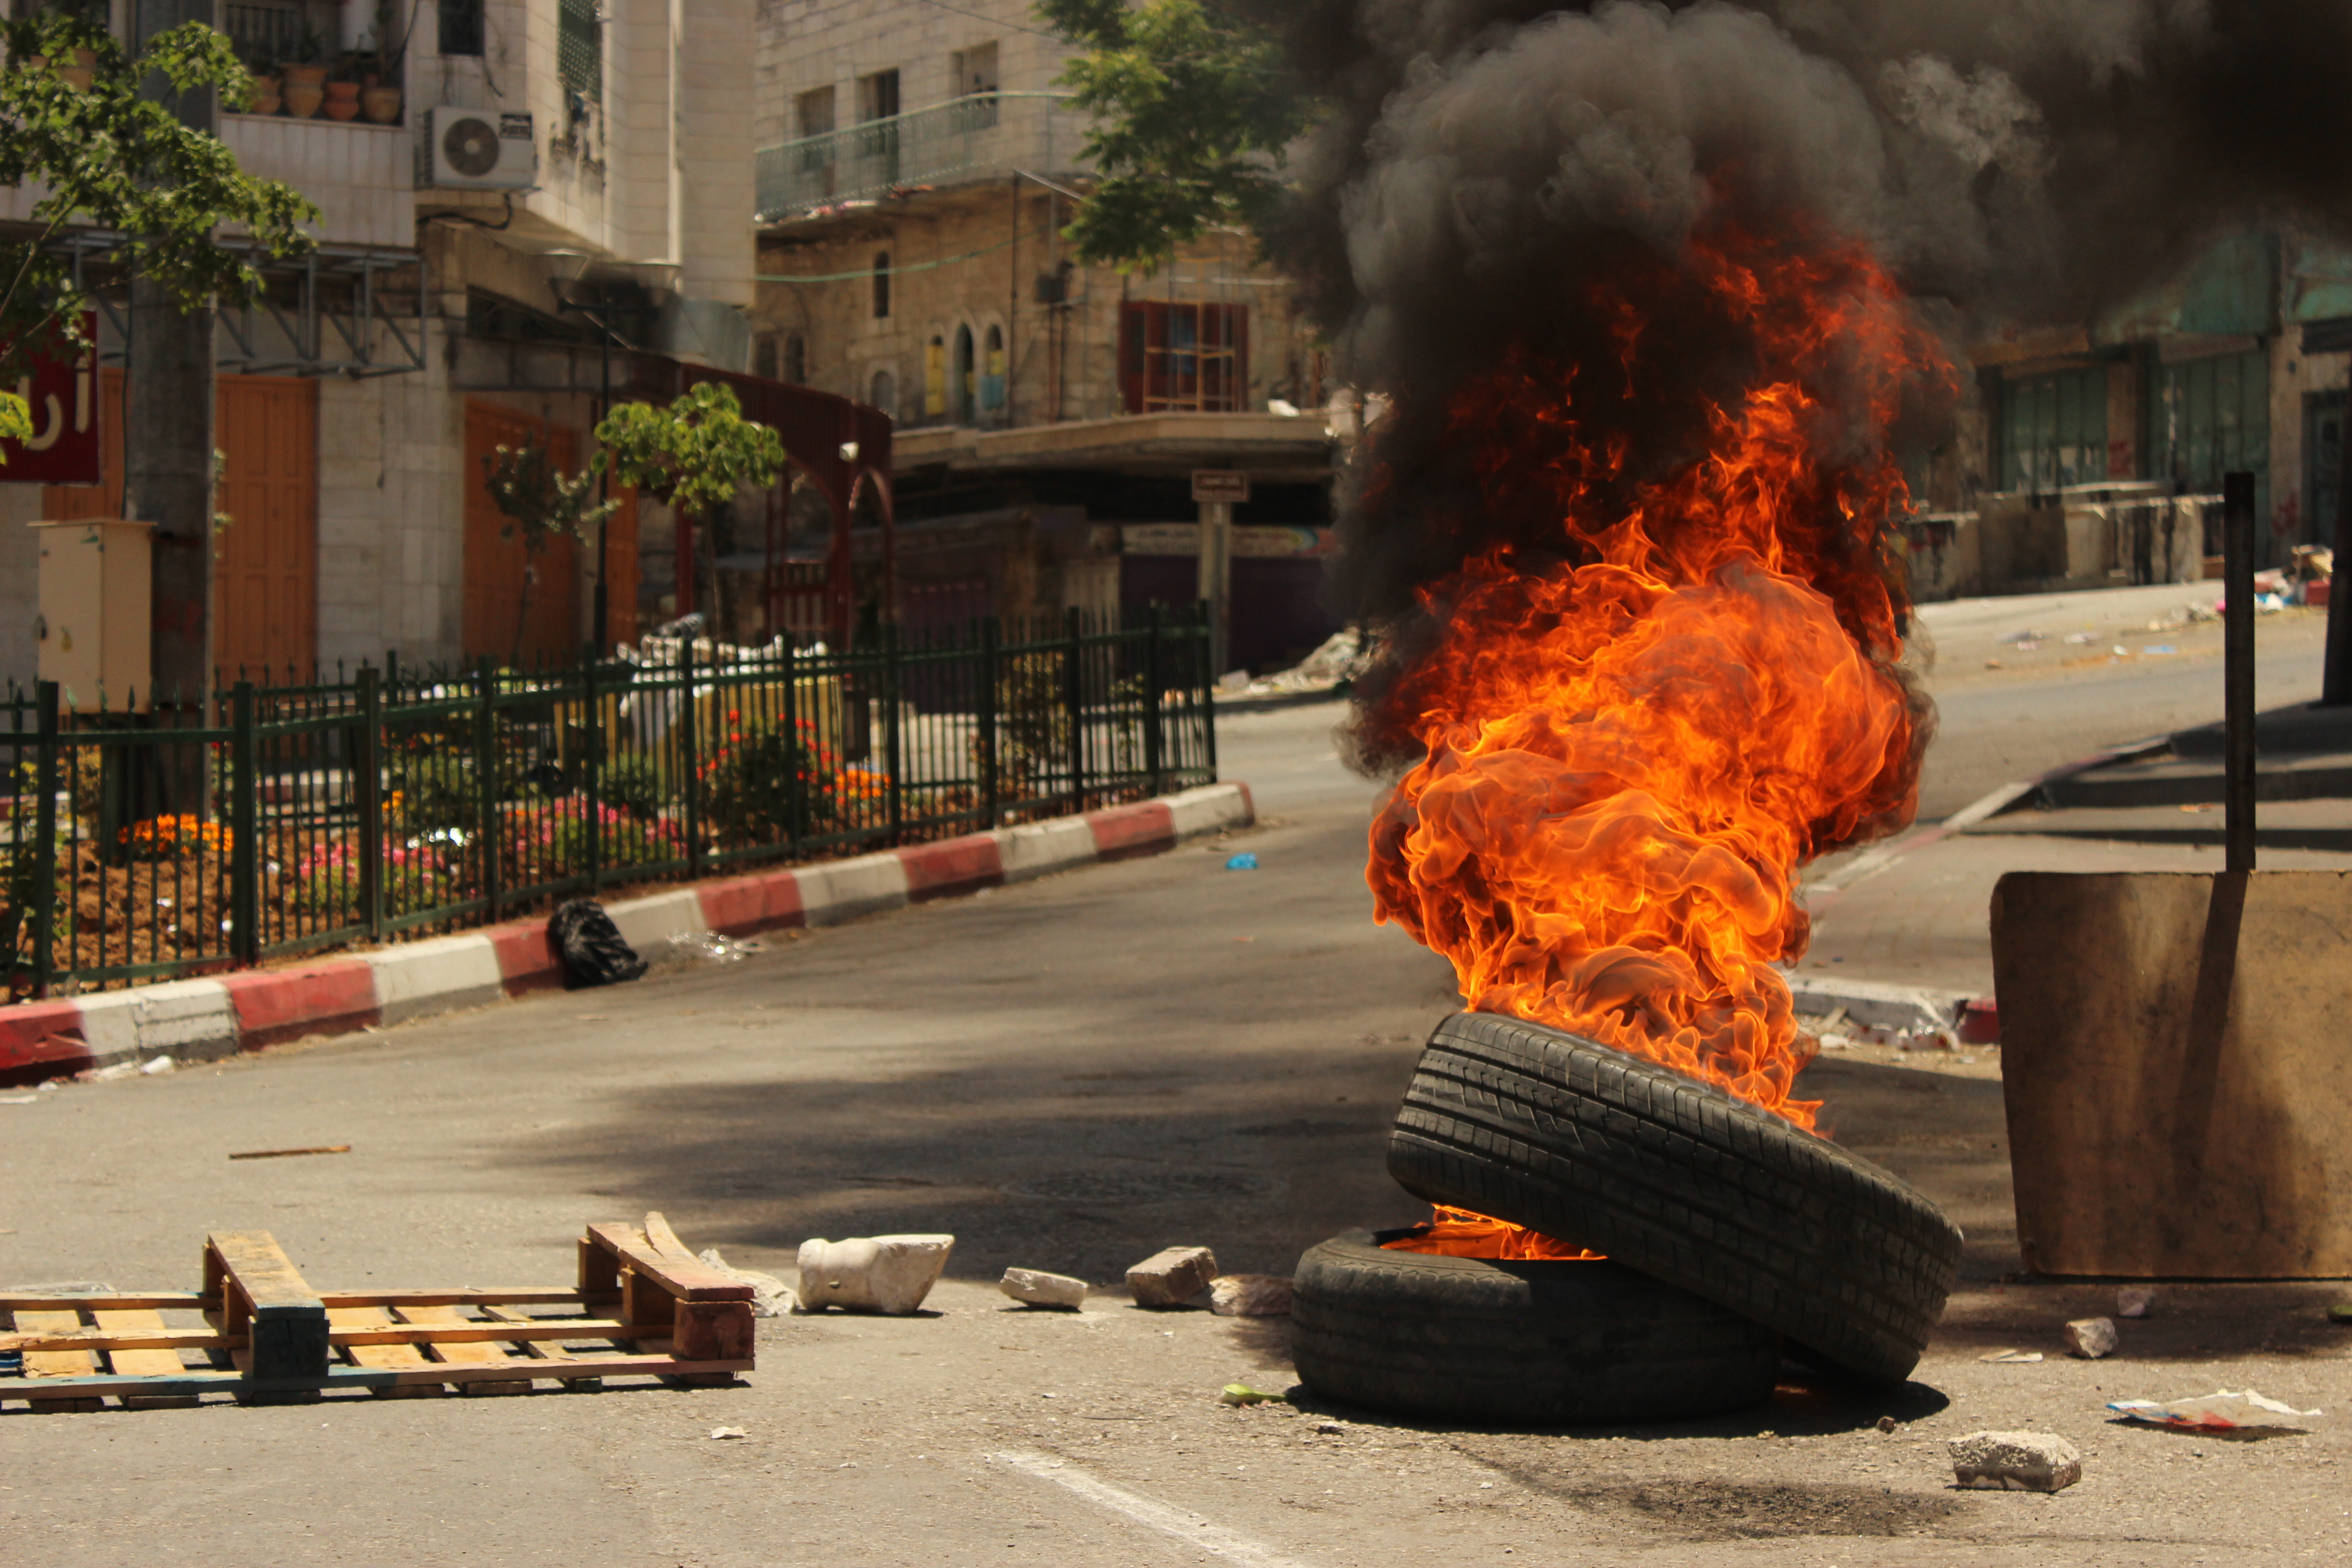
x=882 y=391
x=797 y=359
x=2214 y=415
x=1183 y=358
x=813 y=110
x=461 y=26
x=971 y=75
x=881 y=284
x=579 y=48
x=2054 y=430
x=967 y=392
x=991 y=373
x=763 y=356
x=877 y=96
x=935 y=377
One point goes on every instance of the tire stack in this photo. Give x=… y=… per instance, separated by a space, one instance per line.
x=1731 y=1237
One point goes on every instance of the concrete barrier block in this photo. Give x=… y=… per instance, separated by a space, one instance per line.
x=42 y=1040
x=1211 y=808
x=1038 y=848
x=742 y=905
x=845 y=889
x=187 y=1020
x=649 y=923
x=437 y=975
x=274 y=1006
x=953 y=866
x=1121 y=831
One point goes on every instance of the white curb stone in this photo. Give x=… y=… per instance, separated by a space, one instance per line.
x=439 y=974
x=845 y=889
x=1038 y=849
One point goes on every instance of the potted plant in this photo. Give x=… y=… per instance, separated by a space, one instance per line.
x=267 y=97
x=306 y=77
x=379 y=87
x=343 y=89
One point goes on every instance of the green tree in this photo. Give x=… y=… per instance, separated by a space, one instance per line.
x=1194 y=109
x=541 y=504
x=108 y=158
x=695 y=454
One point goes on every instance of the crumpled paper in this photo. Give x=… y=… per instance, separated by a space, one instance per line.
x=2213 y=1412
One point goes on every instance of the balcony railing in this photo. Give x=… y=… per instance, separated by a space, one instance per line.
x=966 y=138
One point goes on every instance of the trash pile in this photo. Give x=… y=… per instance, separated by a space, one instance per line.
x=1331 y=668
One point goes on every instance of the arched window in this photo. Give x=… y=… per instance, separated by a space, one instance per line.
x=882 y=392
x=763 y=356
x=881 y=284
x=795 y=359
x=966 y=394
x=992 y=371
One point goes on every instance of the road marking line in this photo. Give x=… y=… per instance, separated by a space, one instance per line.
x=1184 y=1525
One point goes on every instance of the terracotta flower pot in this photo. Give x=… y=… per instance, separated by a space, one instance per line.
x=303 y=98
x=343 y=101
x=381 y=104
x=82 y=72
x=307 y=76
x=267 y=97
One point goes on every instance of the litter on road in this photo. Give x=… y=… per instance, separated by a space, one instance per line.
x=2224 y=1411
x=1242 y=1393
x=289 y=1153
x=2010 y=1357
x=1241 y=862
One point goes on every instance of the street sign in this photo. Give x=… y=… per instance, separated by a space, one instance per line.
x=61 y=394
x=1228 y=485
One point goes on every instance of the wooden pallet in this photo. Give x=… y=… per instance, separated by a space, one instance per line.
x=642 y=1306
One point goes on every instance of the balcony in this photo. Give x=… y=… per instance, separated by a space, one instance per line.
x=966 y=139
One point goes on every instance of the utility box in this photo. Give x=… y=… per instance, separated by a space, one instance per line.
x=95 y=610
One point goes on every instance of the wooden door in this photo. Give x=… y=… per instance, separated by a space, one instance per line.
x=265 y=559
x=522 y=605
x=266 y=556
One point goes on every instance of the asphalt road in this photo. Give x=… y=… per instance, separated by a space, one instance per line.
x=1070 y=1074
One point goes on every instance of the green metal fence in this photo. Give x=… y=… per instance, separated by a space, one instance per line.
x=403 y=802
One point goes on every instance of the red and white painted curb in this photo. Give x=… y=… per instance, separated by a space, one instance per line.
x=199 y=1020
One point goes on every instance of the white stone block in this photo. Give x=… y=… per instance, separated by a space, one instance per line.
x=1173 y=1276
x=2015 y=1461
x=1039 y=1289
x=2091 y=1338
x=888 y=1274
x=1250 y=1296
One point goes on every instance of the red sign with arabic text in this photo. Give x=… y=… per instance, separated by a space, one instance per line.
x=61 y=394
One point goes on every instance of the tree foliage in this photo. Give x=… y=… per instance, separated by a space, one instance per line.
x=1193 y=110
x=108 y=158
x=694 y=454
x=541 y=501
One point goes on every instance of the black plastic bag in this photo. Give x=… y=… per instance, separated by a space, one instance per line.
x=591 y=946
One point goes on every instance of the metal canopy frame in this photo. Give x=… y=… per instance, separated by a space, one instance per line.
x=329 y=328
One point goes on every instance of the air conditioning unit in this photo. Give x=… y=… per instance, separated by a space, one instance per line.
x=478 y=150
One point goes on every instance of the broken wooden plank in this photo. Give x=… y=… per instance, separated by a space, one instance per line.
x=127 y=1300
x=367 y=1377
x=266 y=1302
x=130 y=1363
x=464 y=1353
x=687 y=1278
x=382 y=1357
x=457 y=1330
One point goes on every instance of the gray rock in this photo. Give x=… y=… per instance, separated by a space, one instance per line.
x=1039 y=1289
x=2015 y=1461
x=2134 y=1302
x=1173 y=1276
x=2091 y=1338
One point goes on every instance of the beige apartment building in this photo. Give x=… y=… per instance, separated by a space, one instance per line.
x=917 y=165
x=555 y=202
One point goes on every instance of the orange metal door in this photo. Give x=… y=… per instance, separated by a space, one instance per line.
x=265 y=559
x=522 y=607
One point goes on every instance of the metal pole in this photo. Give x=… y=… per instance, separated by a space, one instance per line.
x=689 y=750
x=2237 y=666
x=1074 y=700
x=984 y=721
x=592 y=767
x=2336 y=668
x=1217 y=580
x=489 y=835
x=1154 y=755
x=367 y=765
x=245 y=827
x=890 y=737
x=45 y=834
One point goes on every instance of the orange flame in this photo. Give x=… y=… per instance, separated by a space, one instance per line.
x=1458 y=1233
x=1632 y=746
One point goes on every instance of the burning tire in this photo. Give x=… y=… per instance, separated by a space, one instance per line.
x=1542 y=1342
x=1681 y=1181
